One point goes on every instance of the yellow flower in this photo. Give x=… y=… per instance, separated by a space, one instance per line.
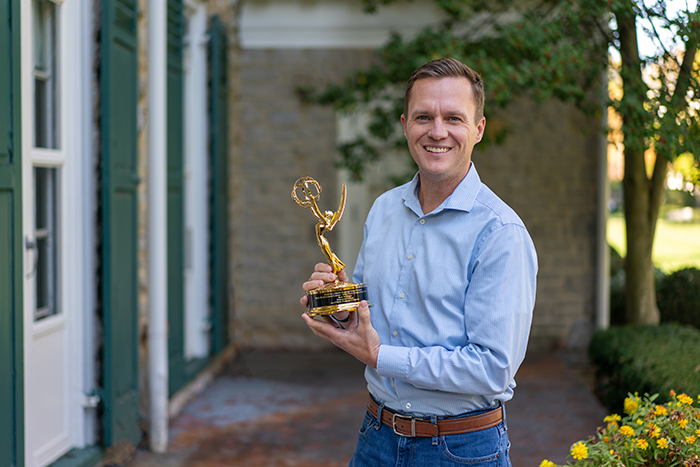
x=654 y=431
x=631 y=405
x=612 y=418
x=662 y=443
x=642 y=444
x=685 y=399
x=690 y=439
x=672 y=393
x=683 y=422
x=546 y=463
x=579 y=451
x=627 y=431
x=639 y=422
x=660 y=410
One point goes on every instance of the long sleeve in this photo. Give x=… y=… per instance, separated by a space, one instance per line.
x=453 y=294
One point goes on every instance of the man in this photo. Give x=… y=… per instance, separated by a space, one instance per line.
x=451 y=273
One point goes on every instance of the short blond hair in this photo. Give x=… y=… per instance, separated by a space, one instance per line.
x=449 y=68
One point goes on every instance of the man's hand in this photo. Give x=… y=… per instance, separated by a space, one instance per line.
x=323 y=274
x=360 y=339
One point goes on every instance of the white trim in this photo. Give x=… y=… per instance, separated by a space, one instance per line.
x=157 y=227
x=48 y=157
x=76 y=216
x=49 y=325
x=85 y=382
x=295 y=24
x=196 y=174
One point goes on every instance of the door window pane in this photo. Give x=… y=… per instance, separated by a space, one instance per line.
x=46 y=242
x=45 y=74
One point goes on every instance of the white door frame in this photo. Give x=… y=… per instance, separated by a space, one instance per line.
x=197 y=307
x=74 y=326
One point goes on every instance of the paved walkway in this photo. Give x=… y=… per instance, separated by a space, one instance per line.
x=258 y=414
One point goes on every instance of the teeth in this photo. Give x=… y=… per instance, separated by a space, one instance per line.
x=437 y=150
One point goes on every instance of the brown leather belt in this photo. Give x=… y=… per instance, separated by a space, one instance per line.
x=405 y=425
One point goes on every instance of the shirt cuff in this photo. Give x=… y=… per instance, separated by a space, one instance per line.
x=392 y=362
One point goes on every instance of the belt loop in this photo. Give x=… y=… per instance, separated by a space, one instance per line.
x=379 y=417
x=503 y=409
x=433 y=420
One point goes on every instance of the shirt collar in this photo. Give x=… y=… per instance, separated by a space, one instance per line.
x=461 y=199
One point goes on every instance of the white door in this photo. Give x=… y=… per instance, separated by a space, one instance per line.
x=197 y=277
x=54 y=221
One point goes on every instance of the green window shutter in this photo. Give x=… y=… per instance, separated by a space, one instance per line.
x=218 y=144
x=176 y=200
x=118 y=96
x=11 y=281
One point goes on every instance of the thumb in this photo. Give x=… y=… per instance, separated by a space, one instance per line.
x=363 y=314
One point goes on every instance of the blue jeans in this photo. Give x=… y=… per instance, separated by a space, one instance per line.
x=379 y=446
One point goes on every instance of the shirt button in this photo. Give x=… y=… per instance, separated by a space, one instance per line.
x=408 y=405
x=395 y=333
x=422 y=221
x=402 y=295
x=410 y=256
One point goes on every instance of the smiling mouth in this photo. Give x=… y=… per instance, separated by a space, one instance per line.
x=435 y=150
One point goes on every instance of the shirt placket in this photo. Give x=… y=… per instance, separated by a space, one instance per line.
x=399 y=318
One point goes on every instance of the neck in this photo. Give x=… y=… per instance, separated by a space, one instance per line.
x=432 y=193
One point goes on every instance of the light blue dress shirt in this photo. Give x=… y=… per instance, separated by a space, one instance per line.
x=452 y=294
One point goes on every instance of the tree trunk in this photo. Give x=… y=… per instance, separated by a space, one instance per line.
x=640 y=295
x=642 y=196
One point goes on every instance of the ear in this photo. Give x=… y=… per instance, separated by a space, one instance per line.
x=403 y=122
x=480 y=129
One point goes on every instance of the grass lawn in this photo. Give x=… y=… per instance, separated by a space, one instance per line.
x=676 y=245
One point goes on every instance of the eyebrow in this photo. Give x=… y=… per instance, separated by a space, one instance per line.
x=458 y=113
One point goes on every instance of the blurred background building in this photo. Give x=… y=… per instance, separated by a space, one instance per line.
x=147 y=154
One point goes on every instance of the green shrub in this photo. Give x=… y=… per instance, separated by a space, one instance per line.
x=678 y=297
x=617 y=288
x=645 y=359
x=679 y=198
x=617 y=262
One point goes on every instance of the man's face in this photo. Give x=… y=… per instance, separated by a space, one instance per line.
x=441 y=129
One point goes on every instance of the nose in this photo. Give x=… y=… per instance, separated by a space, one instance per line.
x=438 y=130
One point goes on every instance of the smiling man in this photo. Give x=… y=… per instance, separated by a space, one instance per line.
x=451 y=272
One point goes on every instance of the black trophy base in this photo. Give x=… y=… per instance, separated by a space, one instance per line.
x=336 y=297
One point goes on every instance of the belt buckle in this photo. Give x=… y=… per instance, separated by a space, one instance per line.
x=404 y=417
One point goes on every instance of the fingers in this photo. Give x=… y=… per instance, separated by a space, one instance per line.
x=323 y=267
x=319 y=328
x=315 y=281
x=322 y=274
x=359 y=338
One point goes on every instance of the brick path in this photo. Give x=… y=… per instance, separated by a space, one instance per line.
x=258 y=414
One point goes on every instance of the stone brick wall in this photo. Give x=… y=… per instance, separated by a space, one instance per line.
x=282 y=139
x=546 y=171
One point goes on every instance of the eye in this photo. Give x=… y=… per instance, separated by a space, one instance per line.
x=422 y=118
x=454 y=119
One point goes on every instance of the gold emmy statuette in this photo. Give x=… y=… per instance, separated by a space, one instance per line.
x=338 y=296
